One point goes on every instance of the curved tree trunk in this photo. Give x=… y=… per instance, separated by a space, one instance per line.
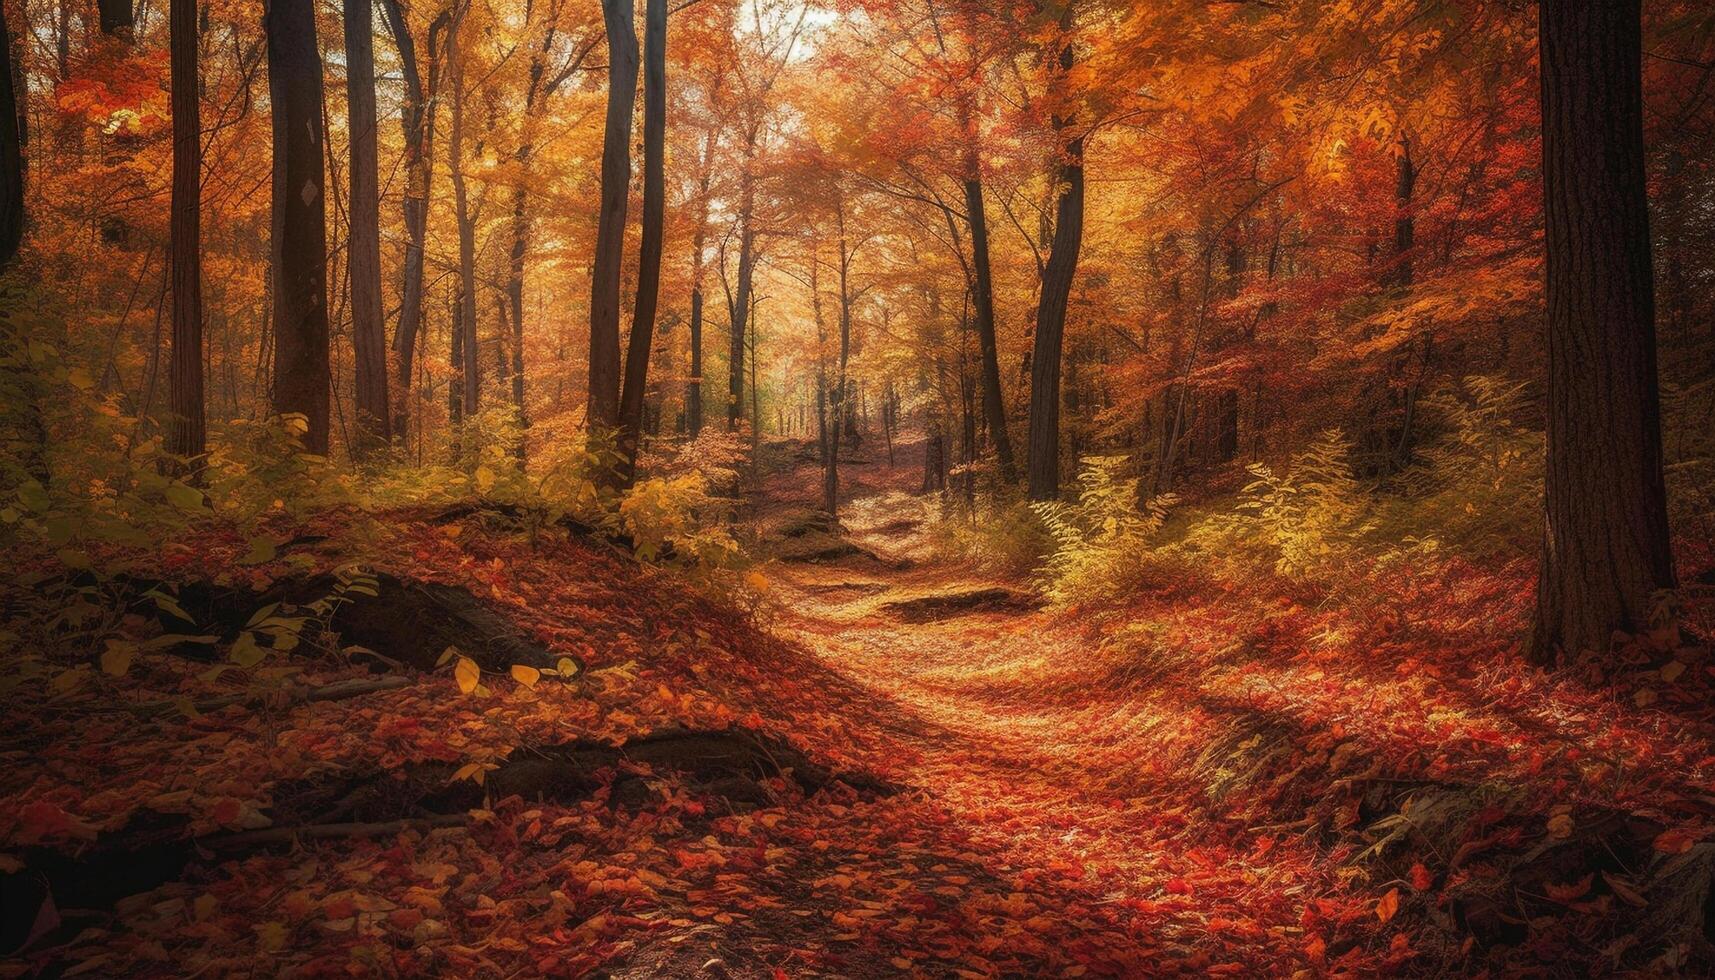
x=417 y=118
x=186 y=431
x=603 y=411
x=1044 y=462
x=1605 y=545
x=649 y=255
x=299 y=241
x=982 y=296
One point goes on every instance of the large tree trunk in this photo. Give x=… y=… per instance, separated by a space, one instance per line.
x=649 y=255
x=603 y=412
x=186 y=431
x=363 y=268
x=1605 y=543
x=471 y=389
x=417 y=118
x=299 y=241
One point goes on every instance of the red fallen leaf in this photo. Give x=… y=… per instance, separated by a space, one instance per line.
x=405 y=919
x=1316 y=949
x=1569 y=892
x=1421 y=879
x=1676 y=840
x=1177 y=886
x=42 y=820
x=226 y=811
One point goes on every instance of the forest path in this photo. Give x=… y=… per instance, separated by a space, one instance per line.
x=1006 y=723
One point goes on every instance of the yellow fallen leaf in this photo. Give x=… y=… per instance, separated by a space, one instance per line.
x=527 y=676
x=1389 y=904
x=271 y=935
x=116 y=659
x=467 y=673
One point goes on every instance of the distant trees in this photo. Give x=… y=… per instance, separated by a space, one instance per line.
x=1605 y=549
x=299 y=238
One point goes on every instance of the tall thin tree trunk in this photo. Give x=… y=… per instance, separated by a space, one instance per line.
x=299 y=240
x=1605 y=545
x=11 y=156
x=472 y=367
x=603 y=411
x=694 y=387
x=649 y=255
x=982 y=297
x=740 y=310
x=186 y=432
x=363 y=267
x=417 y=118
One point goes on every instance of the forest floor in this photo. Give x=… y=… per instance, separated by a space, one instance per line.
x=887 y=764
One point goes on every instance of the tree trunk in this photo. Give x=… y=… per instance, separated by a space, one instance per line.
x=299 y=239
x=982 y=296
x=118 y=18
x=471 y=368
x=1044 y=462
x=694 y=387
x=827 y=439
x=11 y=157
x=603 y=411
x=363 y=266
x=740 y=310
x=1404 y=225
x=417 y=118
x=649 y=250
x=455 y=364
x=1605 y=544
x=186 y=431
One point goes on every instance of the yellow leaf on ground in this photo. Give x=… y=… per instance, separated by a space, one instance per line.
x=527 y=676
x=1389 y=904
x=467 y=673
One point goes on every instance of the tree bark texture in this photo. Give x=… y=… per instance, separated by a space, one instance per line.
x=649 y=253
x=187 y=429
x=368 y=326
x=299 y=239
x=1605 y=543
x=603 y=411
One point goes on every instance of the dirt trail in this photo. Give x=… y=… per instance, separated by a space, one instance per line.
x=1006 y=727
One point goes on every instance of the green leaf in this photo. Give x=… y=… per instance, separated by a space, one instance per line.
x=262 y=550
x=259 y=615
x=245 y=652
x=186 y=498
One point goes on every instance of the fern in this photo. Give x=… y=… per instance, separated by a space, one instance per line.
x=1305 y=523
x=1101 y=541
